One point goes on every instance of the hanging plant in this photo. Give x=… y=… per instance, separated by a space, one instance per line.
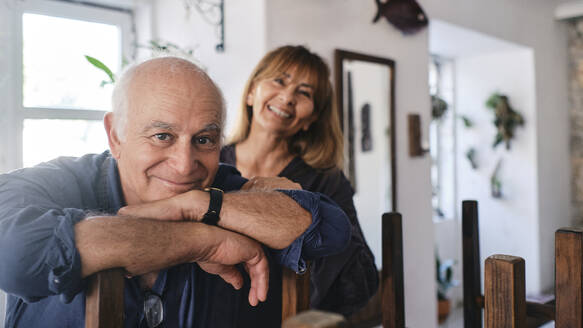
x=506 y=119
x=495 y=182
x=438 y=107
x=471 y=156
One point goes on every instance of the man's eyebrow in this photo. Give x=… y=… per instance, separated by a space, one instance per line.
x=212 y=127
x=159 y=125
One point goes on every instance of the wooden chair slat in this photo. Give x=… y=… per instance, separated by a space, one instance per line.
x=104 y=307
x=569 y=277
x=295 y=293
x=504 y=292
x=473 y=301
x=392 y=282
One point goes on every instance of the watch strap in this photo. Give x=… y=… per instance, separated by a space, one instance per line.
x=211 y=217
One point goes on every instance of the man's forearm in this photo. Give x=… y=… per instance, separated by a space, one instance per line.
x=143 y=245
x=139 y=245
x=271 y=218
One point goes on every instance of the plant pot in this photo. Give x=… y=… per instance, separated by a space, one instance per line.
x=443 y=309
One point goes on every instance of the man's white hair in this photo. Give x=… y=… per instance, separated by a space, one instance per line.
x=120 y=97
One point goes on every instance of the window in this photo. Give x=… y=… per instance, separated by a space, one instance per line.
x=57 y=104
x=442 y=136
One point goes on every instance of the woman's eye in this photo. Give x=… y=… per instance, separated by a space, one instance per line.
x=162 y=136
x=306 y=94
x=278 y=81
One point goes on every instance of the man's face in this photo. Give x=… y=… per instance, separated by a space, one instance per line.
x=172 y=137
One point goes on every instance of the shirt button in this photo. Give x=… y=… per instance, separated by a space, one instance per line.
x=57 y=281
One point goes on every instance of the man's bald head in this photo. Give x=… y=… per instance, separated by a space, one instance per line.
x=158 y=70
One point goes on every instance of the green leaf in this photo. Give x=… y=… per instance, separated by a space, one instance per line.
x=97 y=63
x=493 y=101
x=467 y=121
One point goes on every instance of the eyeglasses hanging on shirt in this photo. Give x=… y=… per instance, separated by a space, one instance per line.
x=153 y=309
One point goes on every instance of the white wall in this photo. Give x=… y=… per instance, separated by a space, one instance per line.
x=531 y=23
x=508 y=225
x=244 y=41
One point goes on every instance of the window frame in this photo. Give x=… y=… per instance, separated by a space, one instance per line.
x=11 y=134
x=436 y=163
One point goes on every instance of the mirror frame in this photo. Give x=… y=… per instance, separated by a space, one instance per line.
x=341 y=55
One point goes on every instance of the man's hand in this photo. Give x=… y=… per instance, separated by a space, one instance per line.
x=233 y=249
x=270 y=183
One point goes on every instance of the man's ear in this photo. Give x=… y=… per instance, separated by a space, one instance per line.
x=112 y=137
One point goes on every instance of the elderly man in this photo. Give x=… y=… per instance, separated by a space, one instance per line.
x=146 y=207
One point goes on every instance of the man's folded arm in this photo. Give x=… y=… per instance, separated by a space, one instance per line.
x=47 y=250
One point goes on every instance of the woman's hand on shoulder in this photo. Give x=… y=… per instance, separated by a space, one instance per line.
x=270 y=183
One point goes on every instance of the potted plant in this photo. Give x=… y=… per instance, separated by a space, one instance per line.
x=445 y=281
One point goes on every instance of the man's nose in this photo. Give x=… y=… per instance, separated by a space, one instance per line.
x=183 y=158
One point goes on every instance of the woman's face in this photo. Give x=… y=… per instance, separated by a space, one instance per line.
x=282 y=104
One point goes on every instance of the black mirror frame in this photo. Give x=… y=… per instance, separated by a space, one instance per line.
x=339 y=57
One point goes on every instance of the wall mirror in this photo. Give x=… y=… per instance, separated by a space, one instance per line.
x=365 y=91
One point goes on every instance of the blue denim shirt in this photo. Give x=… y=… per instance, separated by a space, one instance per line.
x=40 y=267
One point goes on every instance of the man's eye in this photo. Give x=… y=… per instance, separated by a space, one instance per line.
x=202 y=140
x=163 y=136
x=205 y=141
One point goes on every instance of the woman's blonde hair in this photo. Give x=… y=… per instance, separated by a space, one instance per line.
x=321 y=145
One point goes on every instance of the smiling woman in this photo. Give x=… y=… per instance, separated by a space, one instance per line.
x=288 y=128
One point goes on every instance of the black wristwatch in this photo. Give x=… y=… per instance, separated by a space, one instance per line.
x=211 y=217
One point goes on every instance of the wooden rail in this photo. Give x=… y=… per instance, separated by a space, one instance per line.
x=104 y=300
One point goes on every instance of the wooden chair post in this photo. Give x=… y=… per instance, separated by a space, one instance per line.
x=104 y=307
x=505 y=295
x=393 y=295
x=473 y=301
x=295 y=293
x=569 y=277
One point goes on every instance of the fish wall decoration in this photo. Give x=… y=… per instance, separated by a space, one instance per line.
x=406 y=15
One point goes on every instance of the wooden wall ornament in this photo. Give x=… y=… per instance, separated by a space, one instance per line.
x=414 y=129
x=405 y=15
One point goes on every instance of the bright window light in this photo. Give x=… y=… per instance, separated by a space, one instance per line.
x=46 y=139
x=55 y=71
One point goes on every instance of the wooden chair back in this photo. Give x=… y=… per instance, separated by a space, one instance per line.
x=104 y=299
x=392 y=276
x=295 y=293
x=504 y=286
x=387 y=306
x=536 y=313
